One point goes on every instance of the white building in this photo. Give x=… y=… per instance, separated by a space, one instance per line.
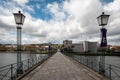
x=90 y=46
x=85 y=46
x=77 y=47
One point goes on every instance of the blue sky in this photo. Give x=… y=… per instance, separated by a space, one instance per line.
x=41 y=11
x=107 y=1
x=57 y=20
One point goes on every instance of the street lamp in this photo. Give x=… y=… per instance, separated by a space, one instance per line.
x=49 y=49
x=102 y=21
x=19 y=20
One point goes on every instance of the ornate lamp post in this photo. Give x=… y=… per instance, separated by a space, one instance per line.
x=19 y=20
x=102 y=21
x=49 y=49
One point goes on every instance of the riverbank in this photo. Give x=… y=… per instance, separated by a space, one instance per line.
x=93 y=54
x=24 y=52
x=29 y=52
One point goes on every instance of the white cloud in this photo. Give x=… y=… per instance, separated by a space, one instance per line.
x=113 y=6
x=21 y=1
x=113 y=9
x=73 y=19
x=57 y=13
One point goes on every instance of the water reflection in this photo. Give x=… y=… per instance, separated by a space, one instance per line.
x=91 y=61
x=28 y=56
x=9 y=58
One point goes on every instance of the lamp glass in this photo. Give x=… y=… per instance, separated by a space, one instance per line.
x=19 y=18
x=99 y=20
x=23 y=18
x=103 y=19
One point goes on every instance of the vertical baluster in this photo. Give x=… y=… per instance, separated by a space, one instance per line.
x=11 y=71
x=28 y=64
x=110 y=72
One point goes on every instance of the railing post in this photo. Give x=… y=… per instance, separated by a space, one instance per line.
x=101 y=69
x=28 y=64
x=39 y=59
x=36 y=60
x=110 y=72
x=11 y=71
x=92 y=65
x=82 y=59
x=79 y=58
x=32 y=62
x=87 y=61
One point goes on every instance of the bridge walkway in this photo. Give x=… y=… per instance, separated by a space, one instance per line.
x=61 y=67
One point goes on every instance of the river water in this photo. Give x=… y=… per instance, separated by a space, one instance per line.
x=9 y=58
x=113 y=60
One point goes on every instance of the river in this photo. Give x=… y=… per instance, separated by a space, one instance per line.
x=9 y=58
x=113 y=60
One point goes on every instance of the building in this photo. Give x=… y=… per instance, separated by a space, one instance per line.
x=115 y=48
x=67 y=43
x=90 y=46
x=85 y=46
x=77 y=47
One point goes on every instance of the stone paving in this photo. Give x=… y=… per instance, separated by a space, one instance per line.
x=61 y=67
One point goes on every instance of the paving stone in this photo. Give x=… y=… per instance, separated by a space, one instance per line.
x=61 y=67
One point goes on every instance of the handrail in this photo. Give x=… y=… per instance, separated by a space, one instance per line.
x=111 y=71
x=9 y=72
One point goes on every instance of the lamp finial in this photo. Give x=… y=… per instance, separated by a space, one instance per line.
x=19 y=11
x=103 y=12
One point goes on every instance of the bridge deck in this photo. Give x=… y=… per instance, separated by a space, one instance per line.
x=60 y=67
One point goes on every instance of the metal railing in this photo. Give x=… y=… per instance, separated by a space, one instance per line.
x=111 y=72
x=9 y=72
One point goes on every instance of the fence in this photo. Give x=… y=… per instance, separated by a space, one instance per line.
x=111 y=71
x=9 y=72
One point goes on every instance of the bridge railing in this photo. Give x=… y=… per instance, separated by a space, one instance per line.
x=111 y=71
x=9 y=72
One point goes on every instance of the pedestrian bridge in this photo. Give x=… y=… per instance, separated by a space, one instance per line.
x=62 y=67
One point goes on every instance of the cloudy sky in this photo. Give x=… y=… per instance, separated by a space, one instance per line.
x=56 y=20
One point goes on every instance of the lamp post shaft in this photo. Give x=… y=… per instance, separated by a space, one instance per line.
x=103 y=36
x=103 y=46
x=19 y=63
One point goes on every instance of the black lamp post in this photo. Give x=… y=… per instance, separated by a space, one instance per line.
x=49 y=49
x=102 y=21
x=19 y=20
